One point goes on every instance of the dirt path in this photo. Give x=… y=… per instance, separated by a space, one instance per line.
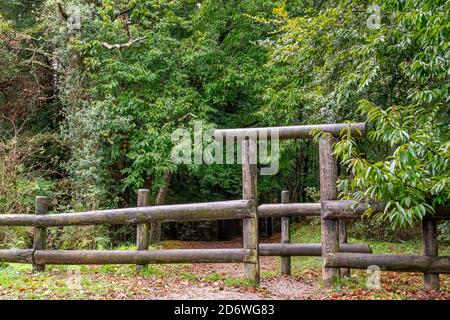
x=285 y=288
x=279 y=287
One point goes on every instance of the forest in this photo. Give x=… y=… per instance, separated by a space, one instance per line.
x=91 y=92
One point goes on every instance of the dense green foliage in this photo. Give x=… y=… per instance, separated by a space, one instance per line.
x=87 y=113
x=396 y=76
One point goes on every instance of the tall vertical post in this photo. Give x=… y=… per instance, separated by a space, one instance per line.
x=330 y=231
x=142 y=235
x=250 y=225
x=285 y=236
x=345 y=272
x=40 y=234
x=430 y=248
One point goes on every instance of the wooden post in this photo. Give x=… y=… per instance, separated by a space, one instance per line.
x=250 y=225
x=40 y=233
x=142 y=230
x=285 y=236
x=330 y=231
x=430 y=248
x=345 y=272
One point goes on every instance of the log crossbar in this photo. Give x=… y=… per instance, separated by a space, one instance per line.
x=236 y=209
x=289 y=132
x=168 y=256
x=389 y=262
x=306 y=249
x=289 y=209
x=98 y=257
x=223 y=210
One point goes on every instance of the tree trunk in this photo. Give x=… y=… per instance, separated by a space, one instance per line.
x=161 y=199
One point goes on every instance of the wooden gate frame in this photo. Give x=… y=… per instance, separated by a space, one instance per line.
x=337 y=255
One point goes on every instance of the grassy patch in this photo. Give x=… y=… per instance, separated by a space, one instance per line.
x=217 y=277
x=305 y=234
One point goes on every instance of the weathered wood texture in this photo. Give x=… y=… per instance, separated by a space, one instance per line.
x=265 y=249
x=289 y=209
x=430 y=249
x=342 y=225
x=40 y=233
x=222 y=210
x=142 y=229
x=330 y=231
x=401 y=263
x=17 y=255
x=142 y=257
x=343 y=209
x=250 y=225
x=289 y=132
x=285 y=261
x=306 y=249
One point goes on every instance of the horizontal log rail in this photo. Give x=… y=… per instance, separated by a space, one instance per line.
x=288 y=209
x=97 y=257
x=289 y=132
x=306 y=249
x=17 y=255
x=223 y=210
x=167 y=256
x=388 y=262
x=343 y=209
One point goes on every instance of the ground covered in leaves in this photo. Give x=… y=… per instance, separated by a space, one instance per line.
x=214 y=281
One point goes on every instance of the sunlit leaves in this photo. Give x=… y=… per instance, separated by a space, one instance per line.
x=395 y=76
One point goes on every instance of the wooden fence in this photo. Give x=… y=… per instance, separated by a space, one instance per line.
x=338 y=256
x=429 y=262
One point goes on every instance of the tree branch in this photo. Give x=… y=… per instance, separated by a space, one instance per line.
x=122 y=12
x=61 y=11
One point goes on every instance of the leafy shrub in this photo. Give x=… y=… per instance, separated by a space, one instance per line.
x=86 y=237
x=444 y=232
x=381 y=230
